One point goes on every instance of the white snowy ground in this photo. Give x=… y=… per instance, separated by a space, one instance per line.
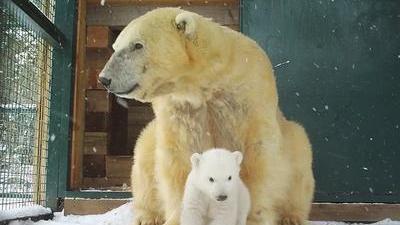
x=123 y=216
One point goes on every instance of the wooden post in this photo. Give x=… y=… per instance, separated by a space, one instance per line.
x=78 y=126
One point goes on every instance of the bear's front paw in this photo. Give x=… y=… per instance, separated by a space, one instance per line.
x=147 y=219
x=292 y=220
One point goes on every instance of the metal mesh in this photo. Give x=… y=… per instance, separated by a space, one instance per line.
x=25 y=77
x=46 y=6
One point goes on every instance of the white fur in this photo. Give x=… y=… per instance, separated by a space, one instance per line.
x=187 y=18
x=200 y=205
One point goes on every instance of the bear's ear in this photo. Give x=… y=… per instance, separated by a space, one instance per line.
x=238 y=156
x=195 y=159
x=186 y=23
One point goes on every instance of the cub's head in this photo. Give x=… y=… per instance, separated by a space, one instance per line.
x=154 y=56
x=217 y=172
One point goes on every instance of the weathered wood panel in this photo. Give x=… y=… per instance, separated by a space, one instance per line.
x=122 y=15
x=363 y=212
x=96 y=143
x=73 y=206
x=118 y=127
x=98 y=37
x=94 y=166
x=118 y=166
x=96 y=58
x=96 y=122
x=97 y=101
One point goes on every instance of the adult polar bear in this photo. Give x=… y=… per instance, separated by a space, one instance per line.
x=209 y=87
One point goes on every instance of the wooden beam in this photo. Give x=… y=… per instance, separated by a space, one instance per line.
x=78 y=126
x=73 y=206
x=106 y=183
x=360 y=212
x=122 y=15
x=164 y=2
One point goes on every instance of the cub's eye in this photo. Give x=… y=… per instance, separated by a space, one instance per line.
x=211 y=180
x=137 y=46
x=230 y=178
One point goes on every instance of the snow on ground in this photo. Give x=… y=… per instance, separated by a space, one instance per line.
x=383 y=222
x=23 y=212
x=123 y=216
x=118 y=216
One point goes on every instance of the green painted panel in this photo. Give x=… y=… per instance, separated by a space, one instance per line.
x=60 y=104
x=337 y=64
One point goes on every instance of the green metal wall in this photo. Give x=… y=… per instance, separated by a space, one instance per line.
x=337 y=64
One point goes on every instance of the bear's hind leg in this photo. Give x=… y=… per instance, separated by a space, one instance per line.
x=146 y=204
x=296 y=208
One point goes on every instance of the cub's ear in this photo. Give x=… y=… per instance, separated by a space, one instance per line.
x=186 y=23
x=238 y=156
x=195 y=159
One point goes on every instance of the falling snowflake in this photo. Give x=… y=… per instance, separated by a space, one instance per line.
x=52 y=137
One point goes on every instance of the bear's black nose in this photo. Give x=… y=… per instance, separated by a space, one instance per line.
x=221 y=198
x=105 y=81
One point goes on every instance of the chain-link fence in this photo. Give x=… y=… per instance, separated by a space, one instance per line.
x=25 y=78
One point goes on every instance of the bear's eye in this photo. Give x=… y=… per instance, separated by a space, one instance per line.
x=230 y=178
x=137 y=46
x=211 y=180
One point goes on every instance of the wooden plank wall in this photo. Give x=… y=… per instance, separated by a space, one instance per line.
x=118 y=13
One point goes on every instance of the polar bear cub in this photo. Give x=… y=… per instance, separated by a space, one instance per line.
x=214 y=193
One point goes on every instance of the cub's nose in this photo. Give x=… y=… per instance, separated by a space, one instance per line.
x=221 y=198
x=105 y=81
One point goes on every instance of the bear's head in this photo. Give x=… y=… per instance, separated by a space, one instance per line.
x=160 y=53
x=217 y=172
